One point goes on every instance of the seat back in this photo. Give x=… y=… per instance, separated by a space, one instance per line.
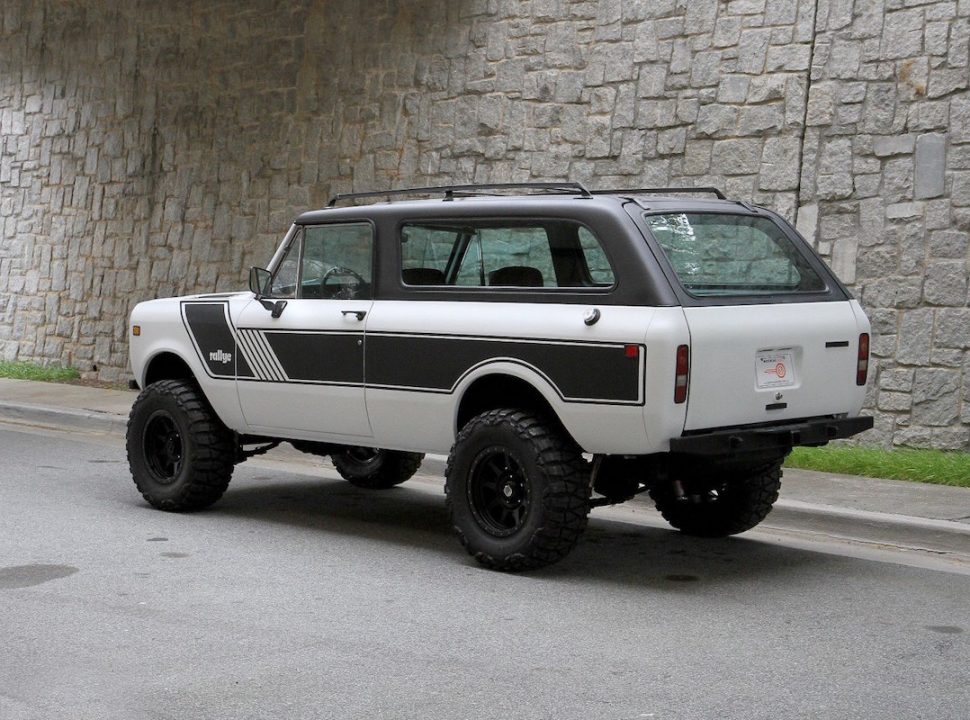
x=422 y=276
x=516 y=276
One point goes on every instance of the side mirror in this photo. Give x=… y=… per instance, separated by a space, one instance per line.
x=259 y=281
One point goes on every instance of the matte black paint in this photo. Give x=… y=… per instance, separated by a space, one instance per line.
x=582 y=372
x=208 y=323
x=320 y=357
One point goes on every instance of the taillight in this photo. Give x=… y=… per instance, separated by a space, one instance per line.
x=682 y=375
x=862 y=363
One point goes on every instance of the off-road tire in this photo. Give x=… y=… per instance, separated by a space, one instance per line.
x=376 y=469
x=742 y=501
x=543 y=516
x=180 y=454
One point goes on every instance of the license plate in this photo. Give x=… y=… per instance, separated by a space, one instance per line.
x=774 y=368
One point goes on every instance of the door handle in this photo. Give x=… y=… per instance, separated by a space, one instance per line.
x=359 y=314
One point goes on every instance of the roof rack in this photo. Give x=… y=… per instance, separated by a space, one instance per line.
x=452 y=191
x=661 y=191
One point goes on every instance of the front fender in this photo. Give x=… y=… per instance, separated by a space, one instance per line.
x=161 y=332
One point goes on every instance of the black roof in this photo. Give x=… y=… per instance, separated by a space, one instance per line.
x=528 y=199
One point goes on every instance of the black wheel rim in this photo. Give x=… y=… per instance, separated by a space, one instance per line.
x=498 y=492
x=162 y=443
x=705 y=494
x=363 y=455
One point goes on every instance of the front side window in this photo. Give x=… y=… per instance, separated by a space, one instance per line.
x=527 y=254
x=727 y=255
x=327 y=261
x=287 y=273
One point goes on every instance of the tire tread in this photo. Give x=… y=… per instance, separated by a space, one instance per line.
x=565 y=499
x=396 y=467
x=753 y=496
x=212 y=451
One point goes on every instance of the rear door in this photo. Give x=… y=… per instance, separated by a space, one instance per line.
x=773 y=335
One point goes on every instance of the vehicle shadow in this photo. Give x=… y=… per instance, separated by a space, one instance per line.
x=609 y=551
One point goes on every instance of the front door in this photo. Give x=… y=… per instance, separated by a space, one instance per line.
x=308 y=363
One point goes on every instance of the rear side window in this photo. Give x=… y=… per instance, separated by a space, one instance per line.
x=723 y=255
x=530 y=254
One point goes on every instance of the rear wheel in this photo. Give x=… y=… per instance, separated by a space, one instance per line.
x=517 y=491
x=723 y=507
x=374 y=468
x=180 y=454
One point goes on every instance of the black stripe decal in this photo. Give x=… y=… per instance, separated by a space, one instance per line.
x=208 y=325
x=258 y=362
x=259 y=357
x=581 y=372
x=245 y=353
x=277 y=368
x=319 y=357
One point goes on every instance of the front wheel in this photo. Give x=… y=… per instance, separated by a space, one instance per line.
x=719 y=508
x=374 y=468
x=517 y=491
x=180 y=454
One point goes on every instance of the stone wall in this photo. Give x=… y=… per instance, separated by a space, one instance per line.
x=149 y=149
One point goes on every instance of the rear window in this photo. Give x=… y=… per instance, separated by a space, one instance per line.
x=723 y=255
x=523 y=254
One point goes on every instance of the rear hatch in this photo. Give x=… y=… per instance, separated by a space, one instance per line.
x=774 y=336
x=765 y=363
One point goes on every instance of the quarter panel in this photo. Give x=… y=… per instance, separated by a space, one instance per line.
x=592 y=375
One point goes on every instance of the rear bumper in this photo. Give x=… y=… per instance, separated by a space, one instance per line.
x=768 y=438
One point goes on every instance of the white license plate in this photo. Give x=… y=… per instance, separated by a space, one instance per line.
x=774 y=368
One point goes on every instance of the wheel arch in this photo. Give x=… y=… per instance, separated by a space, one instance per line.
x=503 y=388
x=166 y=365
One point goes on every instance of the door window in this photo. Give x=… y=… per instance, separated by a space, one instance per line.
x=328 y=261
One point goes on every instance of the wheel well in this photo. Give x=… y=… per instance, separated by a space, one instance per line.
x=167 y=366
x=504 y=391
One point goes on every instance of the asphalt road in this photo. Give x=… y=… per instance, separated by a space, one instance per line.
x=300 y=596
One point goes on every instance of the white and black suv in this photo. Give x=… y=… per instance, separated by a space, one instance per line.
x=566 y=348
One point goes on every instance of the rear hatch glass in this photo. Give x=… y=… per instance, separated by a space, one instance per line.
x=724 y=255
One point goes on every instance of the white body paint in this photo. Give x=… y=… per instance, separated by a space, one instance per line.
x=750 y=364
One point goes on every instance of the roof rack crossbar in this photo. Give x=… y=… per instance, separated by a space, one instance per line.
x=660 y=191
x=451 y=191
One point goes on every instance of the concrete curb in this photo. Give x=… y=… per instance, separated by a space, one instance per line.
x=74 y=419
x=942 y=537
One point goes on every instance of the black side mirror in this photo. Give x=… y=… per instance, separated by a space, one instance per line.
x=260 y=280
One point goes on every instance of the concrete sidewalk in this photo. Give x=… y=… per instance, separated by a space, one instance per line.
x=877 y=504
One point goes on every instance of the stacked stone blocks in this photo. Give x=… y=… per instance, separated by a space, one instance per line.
x=157 y=149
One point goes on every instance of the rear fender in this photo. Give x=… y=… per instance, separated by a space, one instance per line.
x=603 y=427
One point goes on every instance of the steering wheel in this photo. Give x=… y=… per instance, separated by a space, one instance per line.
x=340 y=290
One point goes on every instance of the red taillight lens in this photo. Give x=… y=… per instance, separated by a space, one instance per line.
x=682 y=376
x=862 y=364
